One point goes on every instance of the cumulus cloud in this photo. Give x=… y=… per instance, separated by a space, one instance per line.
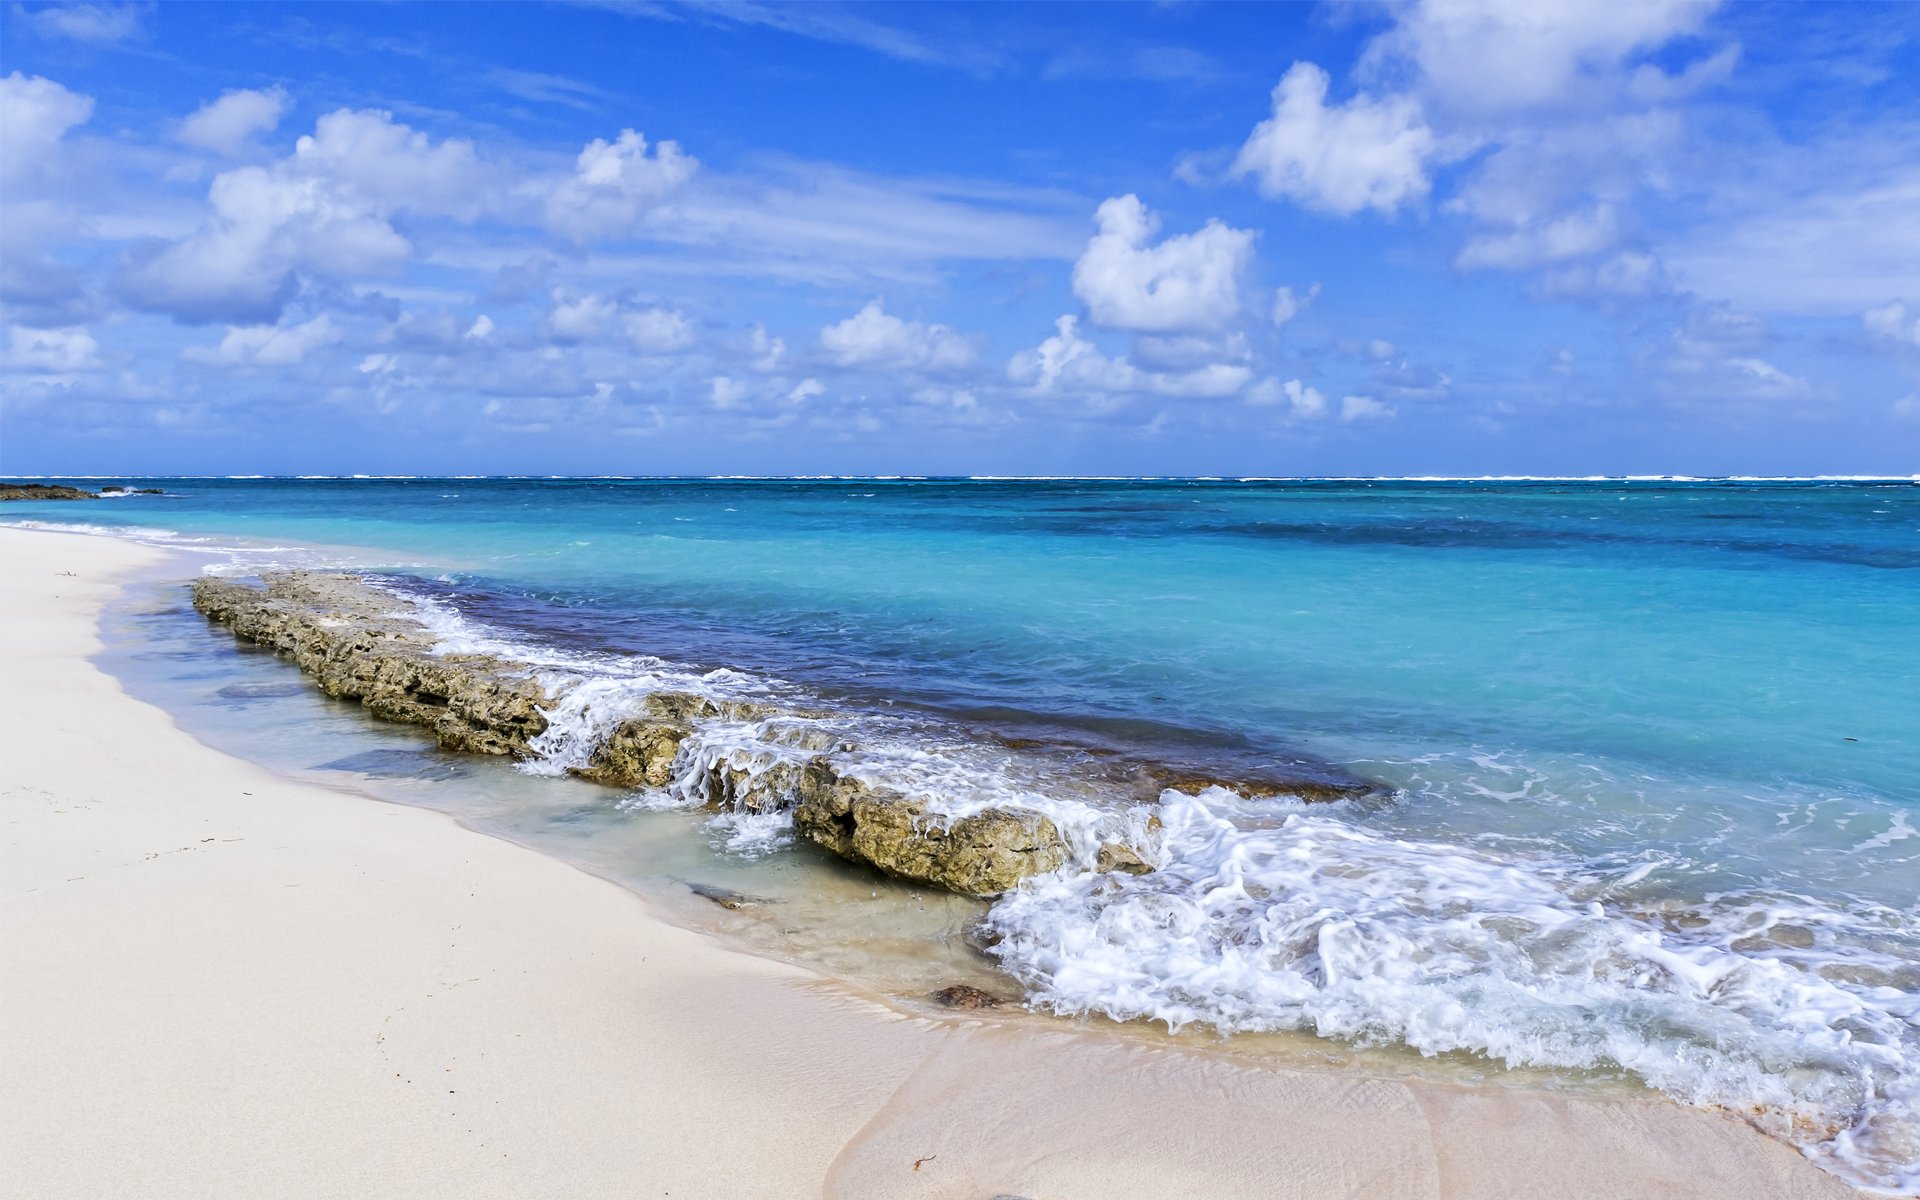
x=1067 y=363
x=35 y=113
x=1340 y=158
x=806 y=390
x=1575 y=235
x=1497 y=56
x=874 y=338
x=1190 y=281
x=324 y=210
x=575 y=318
x=1363 y=408
x=613 y=183
x=726 y=393
x=99 y=24
x=1299 y=400
x=658 y=330
x=481 y=329
x=50 y=351
x=767 y=352
x=267 y=345
x=229 y=125
x=1894 y=322
x=1288 y=304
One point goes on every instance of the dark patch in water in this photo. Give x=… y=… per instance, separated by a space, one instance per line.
x=400 y=764
x=726 y=898
x=262 y=691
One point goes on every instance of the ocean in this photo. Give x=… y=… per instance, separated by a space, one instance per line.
x=1644 y=758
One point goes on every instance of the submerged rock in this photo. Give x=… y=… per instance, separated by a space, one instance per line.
x=965 y=995
x=983 y=854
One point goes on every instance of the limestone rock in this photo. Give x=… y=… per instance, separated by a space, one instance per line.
x=350 y=638
x=980 y=855
x=637 y=753
x=965 y=995
x=1115 y=856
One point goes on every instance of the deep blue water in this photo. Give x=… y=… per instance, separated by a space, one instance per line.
x=1692 y=705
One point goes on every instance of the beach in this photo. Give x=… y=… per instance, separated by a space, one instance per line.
x=223 y=983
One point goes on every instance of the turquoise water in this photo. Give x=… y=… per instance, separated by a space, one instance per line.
x=1651 y=745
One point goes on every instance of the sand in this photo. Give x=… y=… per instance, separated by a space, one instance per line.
x=215 y=982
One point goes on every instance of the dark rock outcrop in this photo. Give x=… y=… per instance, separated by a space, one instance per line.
x=43 y=491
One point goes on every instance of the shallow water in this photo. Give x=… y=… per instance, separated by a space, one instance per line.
x=1648 y=746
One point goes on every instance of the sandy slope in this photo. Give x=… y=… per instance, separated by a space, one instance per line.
x=217 y=983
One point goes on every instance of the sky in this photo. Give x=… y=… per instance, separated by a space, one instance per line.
x=1409 y=237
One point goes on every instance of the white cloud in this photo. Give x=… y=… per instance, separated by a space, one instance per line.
x=1494 y=56
x=658 y=331
x=35 y=113
x=57 y=351
x=1363 y=408
x=806 y=390
x=392 y=166
x=1189 y=281
x=228 y=125
x=1769 y=379
x=323 y=210
x=1287 y=304
x=1895 y=322
x=1630 y=273
x=768 y=352
x=1838 y=250
x=613 y=183
x=267 y=345
x=1574 y=235
x=1069 y=363
x=1342 y=158
x=576 y=318
x=1300 y=400
x=726 y=393
x=876 y=339
x=97 y=23
x=481 y=329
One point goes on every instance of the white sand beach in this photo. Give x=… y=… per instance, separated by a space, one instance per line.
x=215 y=982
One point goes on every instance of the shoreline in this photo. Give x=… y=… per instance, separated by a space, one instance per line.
x=304 y=991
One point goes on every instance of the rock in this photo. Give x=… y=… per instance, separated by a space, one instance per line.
x=637 y=753
x=964 y=995
x=980 y=855
x=726 y=898
x=350 y=638
x=43 y=491
x=1117 y=857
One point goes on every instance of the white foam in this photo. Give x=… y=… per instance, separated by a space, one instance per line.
x=1317 y=924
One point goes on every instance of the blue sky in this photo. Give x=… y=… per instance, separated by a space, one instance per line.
x=1357 y=238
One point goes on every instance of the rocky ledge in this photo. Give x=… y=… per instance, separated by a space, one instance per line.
x=43 y=491
x=359 y=642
